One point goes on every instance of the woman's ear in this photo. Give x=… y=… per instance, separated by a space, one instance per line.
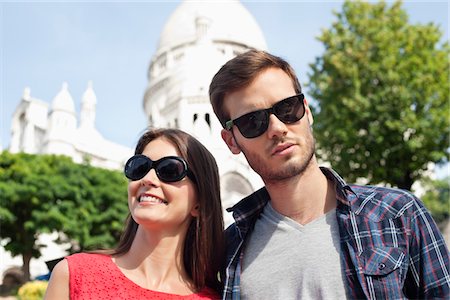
x=229 y=139
x=195 y=212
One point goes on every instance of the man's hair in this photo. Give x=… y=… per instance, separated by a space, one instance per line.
x=239 y=72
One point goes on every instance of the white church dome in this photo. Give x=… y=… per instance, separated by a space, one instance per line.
x=230 y=21
x=89 y=98
x=63 y=100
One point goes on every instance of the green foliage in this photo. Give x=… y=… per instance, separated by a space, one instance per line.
x=382 y=88
x=46 y=193
x=101 y=205
x=437 y=198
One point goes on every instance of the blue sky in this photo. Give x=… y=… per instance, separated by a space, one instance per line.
x=43 y=44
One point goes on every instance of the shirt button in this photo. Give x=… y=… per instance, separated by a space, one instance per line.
x=381 y=266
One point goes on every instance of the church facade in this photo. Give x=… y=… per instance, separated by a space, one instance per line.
x=197 y=39
x=40 y=128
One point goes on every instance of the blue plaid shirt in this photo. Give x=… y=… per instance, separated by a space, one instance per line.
x=390 y=246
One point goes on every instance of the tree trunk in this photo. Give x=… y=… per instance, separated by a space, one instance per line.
x=26 y=257
x=407 y=181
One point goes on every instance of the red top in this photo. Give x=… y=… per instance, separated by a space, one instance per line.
x=96 y=276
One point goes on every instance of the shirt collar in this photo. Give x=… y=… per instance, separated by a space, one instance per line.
x=344 y=193
x=246 y=211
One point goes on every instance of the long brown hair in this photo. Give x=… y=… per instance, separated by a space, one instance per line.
x=203 y=253
x=239 y=72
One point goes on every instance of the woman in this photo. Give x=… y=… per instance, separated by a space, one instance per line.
x=172 y=245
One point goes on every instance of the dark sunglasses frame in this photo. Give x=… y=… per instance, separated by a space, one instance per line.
x=148 y=164
x=262 y=116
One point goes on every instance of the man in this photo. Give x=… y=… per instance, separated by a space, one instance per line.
x=307 y=234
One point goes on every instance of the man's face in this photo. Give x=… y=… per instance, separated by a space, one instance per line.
x=283 y=150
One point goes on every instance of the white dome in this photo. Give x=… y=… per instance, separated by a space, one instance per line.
x=63 y=100
x=89 y=98
x=228 y=21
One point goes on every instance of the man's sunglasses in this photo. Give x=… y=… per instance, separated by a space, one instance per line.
x=168 y=169
x=255 y=123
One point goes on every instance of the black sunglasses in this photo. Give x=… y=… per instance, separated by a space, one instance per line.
x=168 y=169
x=255 y=123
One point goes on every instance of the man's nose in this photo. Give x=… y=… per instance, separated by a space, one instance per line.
x=276 y=128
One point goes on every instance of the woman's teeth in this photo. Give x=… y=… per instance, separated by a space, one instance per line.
x=151 y=199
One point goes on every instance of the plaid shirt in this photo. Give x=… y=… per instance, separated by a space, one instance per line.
x=390 y=246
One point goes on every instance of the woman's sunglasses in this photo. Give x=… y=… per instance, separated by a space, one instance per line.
x=168 y=169
x=255 y=123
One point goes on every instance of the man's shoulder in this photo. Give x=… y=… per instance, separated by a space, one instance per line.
x=245 y=214
x=377 y=202
x=249 y=208
x=231 y=231
x=257 y=198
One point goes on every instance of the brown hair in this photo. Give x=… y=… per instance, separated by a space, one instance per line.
x=239 y=72
x=203 y=253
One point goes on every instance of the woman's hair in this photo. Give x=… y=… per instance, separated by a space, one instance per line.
x=240 y=72
x=203 y=252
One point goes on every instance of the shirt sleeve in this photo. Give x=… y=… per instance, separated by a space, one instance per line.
x=428 y=276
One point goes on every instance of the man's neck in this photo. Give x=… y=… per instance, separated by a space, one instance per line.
x=305 y=197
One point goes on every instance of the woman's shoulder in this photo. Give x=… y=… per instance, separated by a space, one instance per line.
x=58 y=286
x=89 y=261
x=82 y=256
x=74 y=261
x=88 y=256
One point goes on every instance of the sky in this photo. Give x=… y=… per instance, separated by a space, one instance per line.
x=111 y=43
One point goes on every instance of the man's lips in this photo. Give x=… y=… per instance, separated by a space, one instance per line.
x=151 y=199
x=281 y=148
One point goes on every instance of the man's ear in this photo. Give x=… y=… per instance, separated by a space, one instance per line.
x=228 y=138
x=308 y=112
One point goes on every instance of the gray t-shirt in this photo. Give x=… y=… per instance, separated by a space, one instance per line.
x=286 y=260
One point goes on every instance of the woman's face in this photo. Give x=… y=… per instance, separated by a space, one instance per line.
x=154 y=203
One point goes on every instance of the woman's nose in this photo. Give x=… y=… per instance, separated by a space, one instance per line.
x=150 y=179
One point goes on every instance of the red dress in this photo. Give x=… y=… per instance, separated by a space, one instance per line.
x=96 y=276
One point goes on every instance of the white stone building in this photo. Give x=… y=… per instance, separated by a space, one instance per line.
x=42 y=129
x=197 y=39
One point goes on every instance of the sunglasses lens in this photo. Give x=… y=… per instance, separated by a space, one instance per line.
x=253 y=124
x=290 y=110
x=137 y=166
x=171 y=170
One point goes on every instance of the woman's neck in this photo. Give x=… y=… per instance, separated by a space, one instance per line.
x=155 y=262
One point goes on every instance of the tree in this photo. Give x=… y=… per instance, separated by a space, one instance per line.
x=94 y=218
x=46 y=193
x=382 y=89
x=437 y=198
